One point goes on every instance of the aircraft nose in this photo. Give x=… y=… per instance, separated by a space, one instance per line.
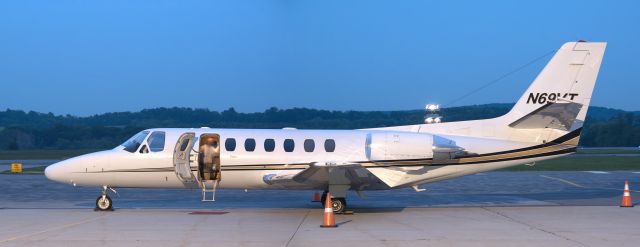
x=55 y=172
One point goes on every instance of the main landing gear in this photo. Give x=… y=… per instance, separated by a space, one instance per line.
x=338 y=204
x=104 y=202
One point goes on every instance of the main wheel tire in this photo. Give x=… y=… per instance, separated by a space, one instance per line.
x=338 y=205
x=104 y=203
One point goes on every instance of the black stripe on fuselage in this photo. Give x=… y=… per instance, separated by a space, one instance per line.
x=423 y=162
x=265 y=167
x=558 y=152
x=557 y=141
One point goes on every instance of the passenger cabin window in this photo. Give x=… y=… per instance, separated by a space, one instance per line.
x=230 y=144
x=289 y=145
x=269 y=145
x=134 y=142
x=156 y=141
x=250 y=145
x=309 y=145
x=329 y=145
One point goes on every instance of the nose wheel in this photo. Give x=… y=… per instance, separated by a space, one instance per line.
x=104 y=202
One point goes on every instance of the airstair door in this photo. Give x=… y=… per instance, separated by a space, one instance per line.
x=182 y=158
x=209 y=167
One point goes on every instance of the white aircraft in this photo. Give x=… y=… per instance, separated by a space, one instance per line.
x=545 y=123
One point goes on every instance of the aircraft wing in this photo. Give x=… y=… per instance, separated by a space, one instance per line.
x=346 y=173
x=320 y=170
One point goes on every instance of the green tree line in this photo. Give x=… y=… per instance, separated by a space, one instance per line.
x=20 y=130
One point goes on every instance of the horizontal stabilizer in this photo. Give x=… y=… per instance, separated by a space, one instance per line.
x=555 y=115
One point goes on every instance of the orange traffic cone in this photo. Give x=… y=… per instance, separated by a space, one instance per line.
x=626 y=196
x=327 y=219
x=316 y=197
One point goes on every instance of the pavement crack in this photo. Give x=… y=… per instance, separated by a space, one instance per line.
x=298 y=228
x=533 y=226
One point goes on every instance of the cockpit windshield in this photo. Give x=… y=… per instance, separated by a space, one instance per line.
x=134 y=142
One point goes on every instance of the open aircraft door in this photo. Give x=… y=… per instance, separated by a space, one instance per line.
x=182 y=159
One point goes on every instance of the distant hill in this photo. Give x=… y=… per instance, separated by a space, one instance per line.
x=33 y=130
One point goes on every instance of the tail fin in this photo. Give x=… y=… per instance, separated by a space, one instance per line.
x=553 y=108
x=559 y=97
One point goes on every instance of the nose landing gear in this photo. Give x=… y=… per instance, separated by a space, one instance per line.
x=104 y=202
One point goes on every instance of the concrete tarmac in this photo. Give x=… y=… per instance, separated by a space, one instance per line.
x=487 y=209
x=464 y=226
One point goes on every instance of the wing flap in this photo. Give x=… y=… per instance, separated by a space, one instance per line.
x=395 y=177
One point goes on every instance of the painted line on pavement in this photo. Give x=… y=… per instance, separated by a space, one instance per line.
x=598 y=172
x=564 y=181
x=582 y=186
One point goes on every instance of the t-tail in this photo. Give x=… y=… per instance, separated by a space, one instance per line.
x=552 y=109
x=558 y=99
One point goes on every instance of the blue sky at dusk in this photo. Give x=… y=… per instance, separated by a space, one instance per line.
x=88 y=57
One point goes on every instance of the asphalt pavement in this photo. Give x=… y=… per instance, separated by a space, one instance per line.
x=583 y=188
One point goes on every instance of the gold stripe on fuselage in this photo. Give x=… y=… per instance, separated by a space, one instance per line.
x=567 y=145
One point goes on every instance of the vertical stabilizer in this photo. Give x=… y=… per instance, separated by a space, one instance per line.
x=559 y=97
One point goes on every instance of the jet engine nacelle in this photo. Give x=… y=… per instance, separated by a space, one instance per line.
x=403 y=146
x=398 y=146
x=445 y=149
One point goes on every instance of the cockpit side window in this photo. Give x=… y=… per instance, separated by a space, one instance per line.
x=156 y=141
x=144 y=149
x=134 y=142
